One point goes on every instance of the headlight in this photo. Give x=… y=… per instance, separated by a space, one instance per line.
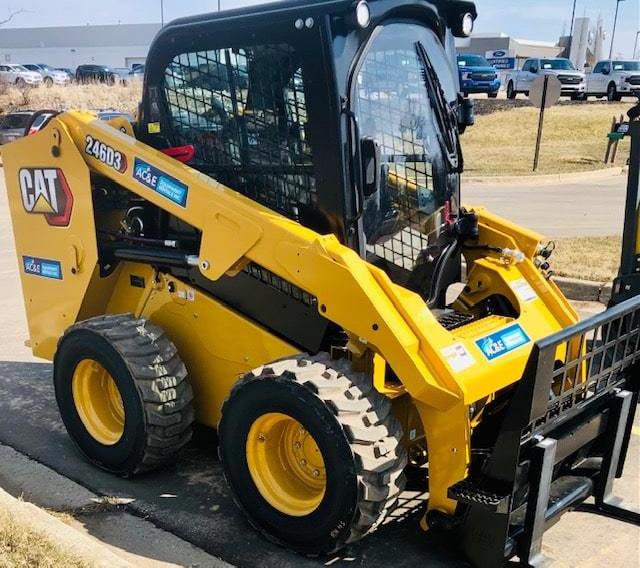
x=363 y=14
x=466 y=76
x=467 y=24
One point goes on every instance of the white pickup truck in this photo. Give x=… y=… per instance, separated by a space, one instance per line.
x=572 y=80
x=614 y=79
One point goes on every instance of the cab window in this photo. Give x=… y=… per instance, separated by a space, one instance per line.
x=244 y=110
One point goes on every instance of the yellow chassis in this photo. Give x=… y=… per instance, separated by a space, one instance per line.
x=219 y=345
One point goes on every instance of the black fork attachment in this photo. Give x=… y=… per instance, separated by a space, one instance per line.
x=563 y=438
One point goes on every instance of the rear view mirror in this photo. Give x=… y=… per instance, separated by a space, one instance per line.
x=371 y=158
x=534 y=69
x=606 y=71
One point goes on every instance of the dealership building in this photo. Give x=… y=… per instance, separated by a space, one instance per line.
x=114 y=45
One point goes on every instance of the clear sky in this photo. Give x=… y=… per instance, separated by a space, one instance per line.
x=526 y=19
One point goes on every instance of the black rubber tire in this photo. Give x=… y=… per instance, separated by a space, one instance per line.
x=359 y=438
x=48 y=82
x=612 y=93
x=511 y=92
x=20 y=83
x=152 y=381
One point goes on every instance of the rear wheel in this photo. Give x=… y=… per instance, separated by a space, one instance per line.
x=123 y=393
x=511 y=92
x=48 y=82
x=312 y=453
x=20 y=82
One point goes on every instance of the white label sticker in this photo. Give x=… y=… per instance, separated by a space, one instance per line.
x=458 y=357
x=523 y=290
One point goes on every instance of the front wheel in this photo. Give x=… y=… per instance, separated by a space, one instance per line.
x=48 y=82
x=312 y=453
x=511 y=92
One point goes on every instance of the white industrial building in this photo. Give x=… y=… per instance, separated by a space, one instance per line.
x=113 y=45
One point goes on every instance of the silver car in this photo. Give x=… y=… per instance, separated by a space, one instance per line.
x=50 y=76
x=12 y=125
x=19 y=76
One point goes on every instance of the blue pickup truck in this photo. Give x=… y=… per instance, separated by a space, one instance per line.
x=477 y=76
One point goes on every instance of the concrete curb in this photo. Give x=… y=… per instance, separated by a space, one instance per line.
x=99 y=530
x=65 y=537
x=584 y=290
x=543 y=180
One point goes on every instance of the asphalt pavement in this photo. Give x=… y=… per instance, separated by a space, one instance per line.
x=192 y=500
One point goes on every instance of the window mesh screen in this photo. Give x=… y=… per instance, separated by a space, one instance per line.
x=245 y=112
x=393 y=107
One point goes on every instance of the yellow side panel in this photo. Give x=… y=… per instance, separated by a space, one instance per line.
x=216 y=344
x=53 y=224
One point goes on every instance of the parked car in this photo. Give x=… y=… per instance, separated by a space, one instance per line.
x=70 y=73
x=137 y=73
x=122 y=74
x=12 y=125
x=614 y=79
x=477 y=76
x=50 y=76
x=111 y=114
x=96 y=74
x=19 y=75
x=573 y=81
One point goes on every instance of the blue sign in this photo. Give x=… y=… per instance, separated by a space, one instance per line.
x=502 y=342
x=160 y=182
x=42 y=267
x=503 y=63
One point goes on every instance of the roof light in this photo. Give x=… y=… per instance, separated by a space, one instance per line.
x=466 y=24
x=363 y=14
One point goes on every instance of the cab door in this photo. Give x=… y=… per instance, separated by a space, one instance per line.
x=528 y=76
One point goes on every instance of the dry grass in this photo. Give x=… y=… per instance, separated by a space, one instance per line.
x=587 y=258
x=21 y=547
x=83 y=97
x=574 y=139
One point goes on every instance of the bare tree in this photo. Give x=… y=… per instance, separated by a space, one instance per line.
x=12 y=15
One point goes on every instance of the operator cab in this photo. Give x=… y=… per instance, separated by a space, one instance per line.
x=341 y=115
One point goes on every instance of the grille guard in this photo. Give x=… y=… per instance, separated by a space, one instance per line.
x=580 y=405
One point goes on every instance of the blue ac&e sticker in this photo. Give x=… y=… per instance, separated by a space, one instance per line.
x=502 y=342
x=164 y=184
x=42 y=267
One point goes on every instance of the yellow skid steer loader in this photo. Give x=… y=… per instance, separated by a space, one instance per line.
x=271 y=250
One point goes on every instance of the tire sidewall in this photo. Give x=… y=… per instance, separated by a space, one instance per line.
x=326 y=528
x=123 y=456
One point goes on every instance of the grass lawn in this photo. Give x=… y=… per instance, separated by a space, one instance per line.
x=21 y=547
x=587 y=258
x=574 y=139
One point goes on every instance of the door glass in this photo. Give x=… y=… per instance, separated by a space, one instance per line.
x=393 y=107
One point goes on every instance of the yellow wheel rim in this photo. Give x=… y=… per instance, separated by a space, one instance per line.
x=98 y=402
x=286 y=464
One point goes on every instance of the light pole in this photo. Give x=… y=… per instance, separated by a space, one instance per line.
x=635 y=46
x=219 y=5
x=573 y=19
x=615 y=23
x=162 y=13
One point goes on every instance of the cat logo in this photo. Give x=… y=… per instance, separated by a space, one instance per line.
x=46 y=192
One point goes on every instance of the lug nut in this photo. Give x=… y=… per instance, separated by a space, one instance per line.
x=316 y=473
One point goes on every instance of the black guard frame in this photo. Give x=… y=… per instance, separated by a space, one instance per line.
x=557 y=446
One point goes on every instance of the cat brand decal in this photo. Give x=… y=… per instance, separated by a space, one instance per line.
x=45 y=191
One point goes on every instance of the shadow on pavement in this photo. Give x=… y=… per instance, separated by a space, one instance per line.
x=190 y=499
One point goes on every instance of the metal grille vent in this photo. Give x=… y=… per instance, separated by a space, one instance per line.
x=245 y=112
x=259 y=273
